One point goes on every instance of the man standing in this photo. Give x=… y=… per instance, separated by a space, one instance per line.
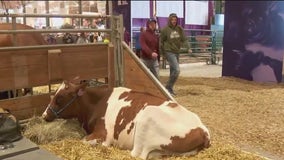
x=149 y=42
x=172 y=38
x=137 y=42
x=126 y=36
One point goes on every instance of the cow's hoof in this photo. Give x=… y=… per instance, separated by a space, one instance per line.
x=144 y=154
x=93 y=142
x=106 y=144
x=134 y=153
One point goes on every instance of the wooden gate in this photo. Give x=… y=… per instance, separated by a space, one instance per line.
x=45 y=65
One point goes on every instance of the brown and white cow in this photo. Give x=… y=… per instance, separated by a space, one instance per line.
x=137 y=121
x=22 y=39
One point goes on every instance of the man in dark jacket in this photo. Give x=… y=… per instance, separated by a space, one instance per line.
x=171 y=40
x=149 y=42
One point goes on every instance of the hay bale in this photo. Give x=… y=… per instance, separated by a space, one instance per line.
x=70 y=149
x=41 y=132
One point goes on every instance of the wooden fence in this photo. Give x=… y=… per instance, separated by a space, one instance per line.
x=33 y=66
x=47 y=66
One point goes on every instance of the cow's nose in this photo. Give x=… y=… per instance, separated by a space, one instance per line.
x=45 y=116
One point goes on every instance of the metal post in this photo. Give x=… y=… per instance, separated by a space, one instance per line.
x=121 y=33
x=14 y=44
x=109 y=7
x=193 y=41
x=116 y=53
x=47 y=19
x=80 y=11
x=14 y=28
x=213 y=50
x=24 y=11
x=7 y=13
x=117 y=27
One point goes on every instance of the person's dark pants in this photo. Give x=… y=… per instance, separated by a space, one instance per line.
x=138 y=53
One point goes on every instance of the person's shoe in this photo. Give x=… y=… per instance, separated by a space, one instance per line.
x=171 y=91
x=168 y=89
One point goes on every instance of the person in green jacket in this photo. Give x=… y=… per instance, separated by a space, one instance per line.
x=172 y=38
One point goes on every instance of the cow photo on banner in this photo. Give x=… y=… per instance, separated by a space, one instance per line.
x=254 y=40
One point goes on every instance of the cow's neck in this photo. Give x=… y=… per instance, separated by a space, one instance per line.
x=92 y=107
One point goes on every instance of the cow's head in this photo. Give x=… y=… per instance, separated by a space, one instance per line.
x=63 y=103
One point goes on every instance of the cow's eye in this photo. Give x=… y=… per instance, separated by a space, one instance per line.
x=59 y=100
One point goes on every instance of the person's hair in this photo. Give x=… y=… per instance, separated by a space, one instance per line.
x=173 y=15
x=82 y=34
x=152 y=20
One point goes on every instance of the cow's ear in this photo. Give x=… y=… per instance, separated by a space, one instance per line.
x=81 y=88
x=75 y=80
x=66 y=84
x=80 y=92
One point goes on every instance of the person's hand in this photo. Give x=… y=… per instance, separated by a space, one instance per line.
x=189 y=51
x=154 y=55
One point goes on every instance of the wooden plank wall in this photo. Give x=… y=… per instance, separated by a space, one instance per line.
x=39 y=67
x=26 y=106
x=86 y=62
x=19 y=69
x=138 y=77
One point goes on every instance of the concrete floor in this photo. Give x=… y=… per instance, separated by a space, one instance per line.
x=199 y=69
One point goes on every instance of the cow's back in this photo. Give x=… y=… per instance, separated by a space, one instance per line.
x=123 y=107
x=169 y=129
x=23 y=39
x=143 y=123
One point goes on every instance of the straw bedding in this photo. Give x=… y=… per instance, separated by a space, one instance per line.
x=245 y=120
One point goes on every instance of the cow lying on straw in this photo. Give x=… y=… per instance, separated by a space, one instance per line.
x=145 y=124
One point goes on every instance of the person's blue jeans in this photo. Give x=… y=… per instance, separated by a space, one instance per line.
x=153 y=65
x=173 y=60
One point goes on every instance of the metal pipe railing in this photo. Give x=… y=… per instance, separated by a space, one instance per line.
x=46 y=46
x=52 y=30
x=54 y=15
